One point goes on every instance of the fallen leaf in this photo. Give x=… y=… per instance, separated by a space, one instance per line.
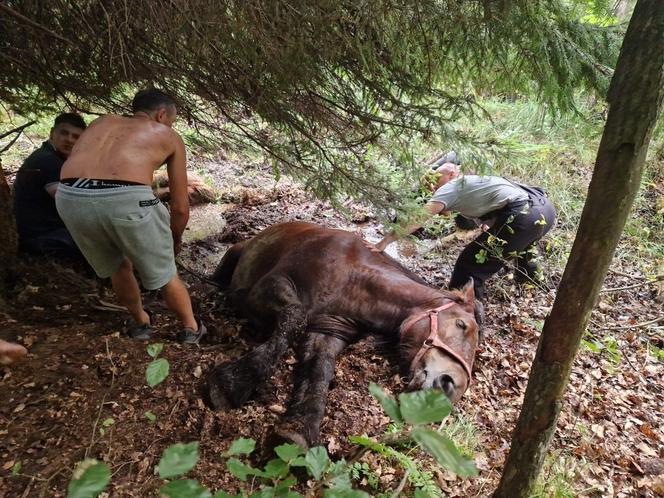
x=646 y=450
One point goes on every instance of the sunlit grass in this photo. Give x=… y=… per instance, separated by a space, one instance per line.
x=557 y=477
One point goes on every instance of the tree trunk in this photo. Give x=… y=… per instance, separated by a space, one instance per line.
x=9 y=244
x=635 y=98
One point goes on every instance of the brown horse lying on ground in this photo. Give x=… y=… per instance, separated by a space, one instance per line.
x=318 y=290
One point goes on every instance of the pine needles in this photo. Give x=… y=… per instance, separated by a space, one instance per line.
x=329 y=89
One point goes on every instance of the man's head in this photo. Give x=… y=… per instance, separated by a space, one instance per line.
x=446 y=173
x=156 y=104
x=67 y=127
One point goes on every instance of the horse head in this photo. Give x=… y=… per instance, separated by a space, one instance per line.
x=438 y=344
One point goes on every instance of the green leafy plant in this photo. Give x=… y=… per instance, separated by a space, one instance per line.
x=606 y=345
x=361 y=470
x=105 y=424
x=178 y=460
x=158 y=368
x=411 y=415
x=656 y=352
x=418 y=409
x=481 y=256
x=89 y=480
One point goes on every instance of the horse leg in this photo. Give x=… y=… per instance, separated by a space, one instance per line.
x=232 y=383
x=313 y=376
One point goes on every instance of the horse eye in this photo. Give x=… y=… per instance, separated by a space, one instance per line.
x=461 y=324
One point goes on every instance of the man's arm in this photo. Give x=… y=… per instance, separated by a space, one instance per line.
x=50 y=166
x=432 y=208
x=52 y=188
x=176 y=166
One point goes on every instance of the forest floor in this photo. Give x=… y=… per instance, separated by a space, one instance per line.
x=82 y=391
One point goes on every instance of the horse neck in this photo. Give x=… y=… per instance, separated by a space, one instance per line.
x=398 y=302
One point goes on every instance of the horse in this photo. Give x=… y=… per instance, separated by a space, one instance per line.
x=318 y=290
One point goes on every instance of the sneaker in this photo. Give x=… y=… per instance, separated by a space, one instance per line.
x=191 y=336
x=142 y=331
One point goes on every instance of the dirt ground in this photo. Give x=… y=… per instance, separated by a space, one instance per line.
x=81 y=371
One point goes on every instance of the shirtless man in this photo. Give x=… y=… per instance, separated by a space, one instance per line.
x=107 y=204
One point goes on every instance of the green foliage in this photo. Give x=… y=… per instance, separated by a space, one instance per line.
x=240 y=470
x=317 y=461
x=333 y=478
x=89 y=480
x=558 y=474
x=418 y=476
x=178 y=459
x=241 y=446
x=463 y=432
x=388 y=403
x=424 y=407
x=185 y=489
x=336 y=477
x=105 y=424
x=606 y=345
x=290 y=453
x=419 y=408
x=333 y=93
x=361 y=470
x=481 y=256
x=157 y=369
x=445 y=452
x=155 y=349
x=657 y=353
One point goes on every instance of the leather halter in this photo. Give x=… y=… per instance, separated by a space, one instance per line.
x=433 y=341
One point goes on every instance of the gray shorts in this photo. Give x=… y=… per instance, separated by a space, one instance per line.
x=109 y=224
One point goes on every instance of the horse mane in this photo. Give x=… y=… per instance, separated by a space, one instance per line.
x=409 y=273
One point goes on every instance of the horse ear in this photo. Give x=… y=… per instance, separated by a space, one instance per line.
x=469 y=291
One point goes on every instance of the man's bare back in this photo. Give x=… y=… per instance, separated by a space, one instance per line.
x=126 y=148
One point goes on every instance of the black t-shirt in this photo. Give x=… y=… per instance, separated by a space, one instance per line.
x=34 y=207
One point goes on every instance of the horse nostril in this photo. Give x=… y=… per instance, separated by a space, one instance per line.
x=445 y=383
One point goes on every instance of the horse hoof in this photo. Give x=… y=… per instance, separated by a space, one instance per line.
x=217 y=398
x=282 y=435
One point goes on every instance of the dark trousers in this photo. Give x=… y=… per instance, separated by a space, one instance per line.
x=515 y=230
x=56 y=243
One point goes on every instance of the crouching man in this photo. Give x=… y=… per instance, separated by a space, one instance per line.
x=40 y=229
x=106 y=202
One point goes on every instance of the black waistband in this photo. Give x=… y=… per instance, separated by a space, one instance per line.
x=94 y=183
x=511 y=208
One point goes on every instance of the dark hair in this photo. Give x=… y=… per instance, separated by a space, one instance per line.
x=151 y=99
x=70 y=118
